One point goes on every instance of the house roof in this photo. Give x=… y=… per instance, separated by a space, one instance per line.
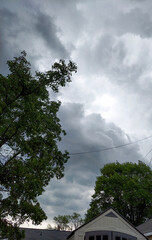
x=44 y=234
x=146 y=227
x=72 y=233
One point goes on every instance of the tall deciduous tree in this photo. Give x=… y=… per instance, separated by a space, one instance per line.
x=126 y=187
x=29 y=132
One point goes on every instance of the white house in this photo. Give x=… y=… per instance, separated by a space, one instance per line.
x=109 y=225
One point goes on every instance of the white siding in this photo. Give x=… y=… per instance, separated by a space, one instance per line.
x=103 y=222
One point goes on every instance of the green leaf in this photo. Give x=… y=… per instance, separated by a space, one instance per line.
x=29 y=132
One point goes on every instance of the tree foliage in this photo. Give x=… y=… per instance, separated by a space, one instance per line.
x=62 y=222
x=75 y=220
x=68 y=222
x=29 y=133
x=126 y=187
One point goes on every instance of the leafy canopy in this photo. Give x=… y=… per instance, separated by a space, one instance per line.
x=29 y=132
x=68 y=222
x=126 y=187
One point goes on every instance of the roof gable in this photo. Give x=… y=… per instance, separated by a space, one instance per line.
x=109 y=220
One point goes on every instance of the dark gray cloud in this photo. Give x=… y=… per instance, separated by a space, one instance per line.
x=6 y=52
x=25 y=27
x=68 y=18
x=84 y=133
x=48 y=31
x=111 y=44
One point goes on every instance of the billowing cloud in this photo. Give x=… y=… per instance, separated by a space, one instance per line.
x=25 y=27
x=7 y=18
x=109 y=100
x=47 y=29
x=84 y=133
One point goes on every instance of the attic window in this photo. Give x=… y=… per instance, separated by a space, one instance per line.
x=117 y=238
x=111 y=214
x=98 y=237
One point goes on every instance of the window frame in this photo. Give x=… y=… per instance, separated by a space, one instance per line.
x=111 y=235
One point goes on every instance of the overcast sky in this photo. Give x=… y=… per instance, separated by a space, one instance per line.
x=109 y=100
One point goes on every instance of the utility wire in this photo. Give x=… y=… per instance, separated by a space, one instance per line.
x=150 y=162
x=147 y=154
x=109 y=148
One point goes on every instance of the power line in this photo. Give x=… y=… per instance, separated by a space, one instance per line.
x=150 y=162
x=109 y=148
x=147 y=154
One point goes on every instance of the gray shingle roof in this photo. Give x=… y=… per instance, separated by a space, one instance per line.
x=44 y=234
x=145 y=227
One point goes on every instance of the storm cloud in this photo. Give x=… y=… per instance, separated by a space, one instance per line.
x=84 y=133
x=108 y=103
